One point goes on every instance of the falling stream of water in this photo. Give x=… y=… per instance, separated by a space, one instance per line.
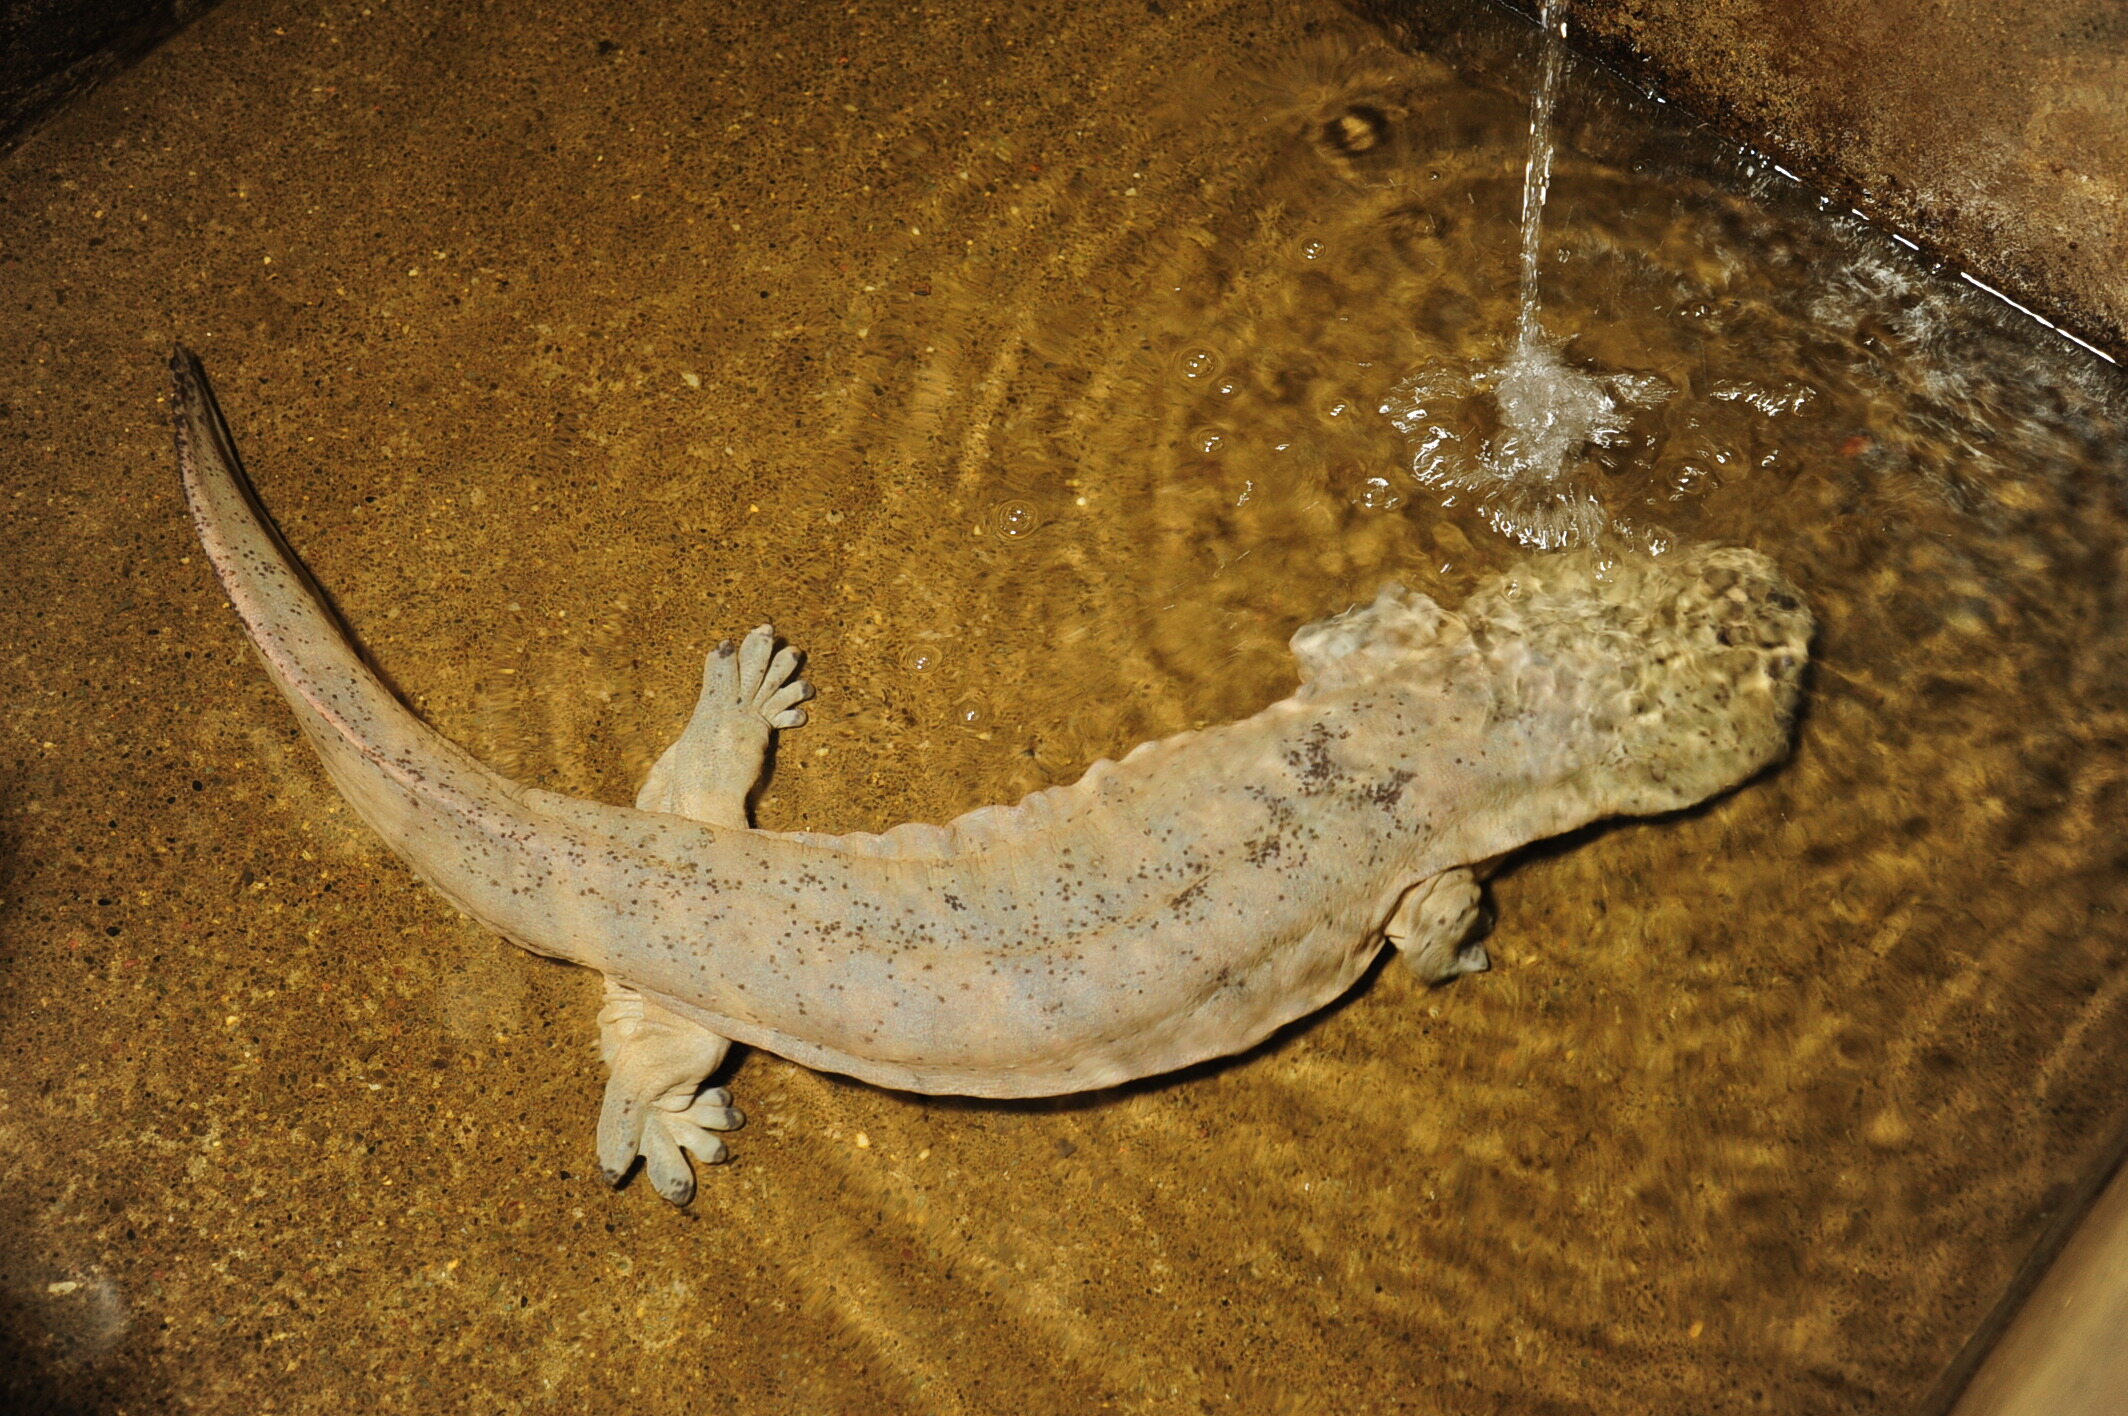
x=1537 y=177
x=1548 y=411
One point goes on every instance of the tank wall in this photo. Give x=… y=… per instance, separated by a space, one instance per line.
x=54 y=50
x=1993 y=134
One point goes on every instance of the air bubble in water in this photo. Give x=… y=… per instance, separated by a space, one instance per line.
x=972 y=714
x=1311 y=250
x=1198 y=363
x=1208 y=440
x=921 y=658
x=1013 y=519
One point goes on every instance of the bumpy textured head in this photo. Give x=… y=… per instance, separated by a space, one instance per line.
x=1658 y=682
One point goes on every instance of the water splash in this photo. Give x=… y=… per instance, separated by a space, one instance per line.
x=1543 y=412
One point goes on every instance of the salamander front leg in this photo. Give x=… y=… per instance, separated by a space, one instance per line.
x=1432 y=922
x=657 y=1105
x=747 y=689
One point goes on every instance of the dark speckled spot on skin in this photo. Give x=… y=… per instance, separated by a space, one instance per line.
x=1387 y=792
x=1310 y=758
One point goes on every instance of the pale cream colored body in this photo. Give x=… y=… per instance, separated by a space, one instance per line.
x=1176 y=905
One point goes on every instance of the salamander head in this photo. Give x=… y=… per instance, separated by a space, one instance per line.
x=1652 y=683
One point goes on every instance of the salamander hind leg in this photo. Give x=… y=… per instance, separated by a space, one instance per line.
x=747 y=690
x=657 y=1102
x=1431 y=927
